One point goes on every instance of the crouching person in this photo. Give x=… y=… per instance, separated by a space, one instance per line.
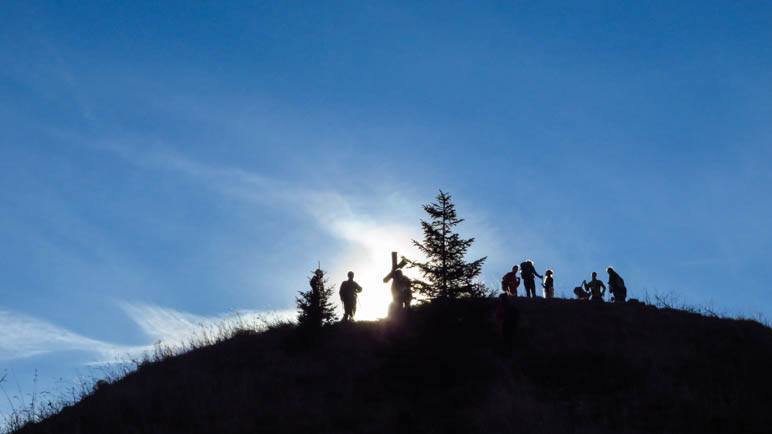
x=580 y=293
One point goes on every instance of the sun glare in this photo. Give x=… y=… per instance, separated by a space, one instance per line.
x=370 y=260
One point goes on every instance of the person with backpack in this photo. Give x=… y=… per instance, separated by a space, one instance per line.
x=528 y=273
x=596 y=288
x=510 y=282
x=548 y=284
x=348 y=295
x=616 y=286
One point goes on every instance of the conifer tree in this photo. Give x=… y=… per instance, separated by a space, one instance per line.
x=449 y=275
x=315 y=307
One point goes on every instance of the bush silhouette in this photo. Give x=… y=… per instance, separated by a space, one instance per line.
x=315 y=307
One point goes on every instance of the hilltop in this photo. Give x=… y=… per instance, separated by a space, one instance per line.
x=575 y=367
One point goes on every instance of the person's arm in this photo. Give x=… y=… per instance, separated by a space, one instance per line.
x=388 y=277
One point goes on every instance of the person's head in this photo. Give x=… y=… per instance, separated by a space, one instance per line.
x=515 y=268
x=529 y=261
x=610 y=270
x=398 y=273
x=549 y=272
x=594 y=275
x=350 y=275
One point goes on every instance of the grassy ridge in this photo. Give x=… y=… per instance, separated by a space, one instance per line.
x=575 y=367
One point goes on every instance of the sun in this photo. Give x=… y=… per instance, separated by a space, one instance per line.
x=369 y=257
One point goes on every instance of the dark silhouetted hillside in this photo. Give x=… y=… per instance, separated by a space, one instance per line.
x=576 y=367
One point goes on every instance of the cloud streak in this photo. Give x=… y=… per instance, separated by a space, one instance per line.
x=23 y=336
x=367 y=239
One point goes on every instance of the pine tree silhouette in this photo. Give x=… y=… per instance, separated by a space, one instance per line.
x=445 y=268
x=315 y=307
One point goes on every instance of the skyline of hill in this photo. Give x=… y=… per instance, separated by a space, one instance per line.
x=574 y=366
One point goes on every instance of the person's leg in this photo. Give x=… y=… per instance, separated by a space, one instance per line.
x=621 y=296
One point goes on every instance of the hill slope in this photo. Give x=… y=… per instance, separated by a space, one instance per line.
x=575 y=367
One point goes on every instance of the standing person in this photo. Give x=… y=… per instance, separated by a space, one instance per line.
x=401 y=291
x=510 y=282
x=528 y=273
x=406 y=290
x=548 y=284
x=317 y=282
x=616 y=286
x=594 y=287
x=348 y=295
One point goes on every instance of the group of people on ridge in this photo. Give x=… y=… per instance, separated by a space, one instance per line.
x=528 y=274
x=402 y=294
x=595 y=289
x=592 y=290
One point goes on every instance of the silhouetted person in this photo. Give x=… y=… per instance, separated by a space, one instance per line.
x=507 y=318
x=548 y=284
x=528 y=273
x=596 y=288
x=616 y=286
x=317 y=282
x=580 y=293
x=401 y=291
x=510 y=282
x=348 y=295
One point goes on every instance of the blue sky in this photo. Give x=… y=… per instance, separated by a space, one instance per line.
x=165 y=165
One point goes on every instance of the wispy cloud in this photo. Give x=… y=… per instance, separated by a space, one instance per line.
x=367 y=232
x=23 y=336
x=368 y=224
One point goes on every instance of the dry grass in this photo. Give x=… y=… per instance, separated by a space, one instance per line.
x=576 y=367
